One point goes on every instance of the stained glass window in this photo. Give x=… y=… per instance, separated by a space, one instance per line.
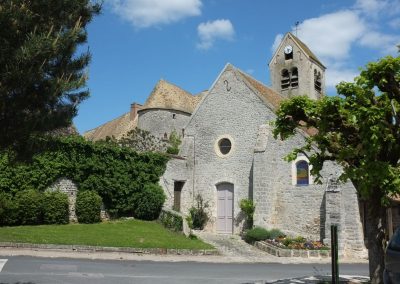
x=302 y=173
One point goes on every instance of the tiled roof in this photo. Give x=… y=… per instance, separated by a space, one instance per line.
x=168 y=96
x=117 y=128
x=306 y=49
x=269 y=96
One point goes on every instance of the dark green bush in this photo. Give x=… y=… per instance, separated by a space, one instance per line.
x=116 y=173
x=171 y=220
x=256 y=234
x=149 y=202
x=55 y=208
x=28 y=205
x=198 y=215
x=7 y=210
x=87 y=207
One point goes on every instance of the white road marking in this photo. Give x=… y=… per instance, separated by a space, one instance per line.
x=2 y=263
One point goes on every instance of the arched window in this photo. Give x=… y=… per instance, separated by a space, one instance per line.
x=294 y=80
x=302 y=173
x=285 y=80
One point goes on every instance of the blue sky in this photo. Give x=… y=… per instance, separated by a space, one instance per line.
x=134 y=43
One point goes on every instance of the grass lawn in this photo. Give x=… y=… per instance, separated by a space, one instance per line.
x=120 y=233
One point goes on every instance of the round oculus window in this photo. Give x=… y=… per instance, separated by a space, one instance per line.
x=225 y=146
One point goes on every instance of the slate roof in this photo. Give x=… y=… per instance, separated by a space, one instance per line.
x=169 y=96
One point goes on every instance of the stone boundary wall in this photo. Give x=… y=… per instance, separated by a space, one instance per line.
x=81 y=248
x=281 y=252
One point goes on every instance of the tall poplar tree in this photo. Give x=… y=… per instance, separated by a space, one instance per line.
x=42 y=71
x=360 y=130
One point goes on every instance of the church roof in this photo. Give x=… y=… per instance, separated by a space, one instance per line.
x=116 y=127
x=269 y=96
x=168 y=96
x=306 y=49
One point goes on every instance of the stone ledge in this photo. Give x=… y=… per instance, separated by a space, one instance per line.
x=281 y=252
x=81 y=248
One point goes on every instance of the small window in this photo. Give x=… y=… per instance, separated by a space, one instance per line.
x=225 y=146
x=302 y=173
x=173 y=116
x=317 y=81
x=178 y=185
x=165 y=136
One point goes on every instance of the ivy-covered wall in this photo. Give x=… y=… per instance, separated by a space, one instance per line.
x=116 y=173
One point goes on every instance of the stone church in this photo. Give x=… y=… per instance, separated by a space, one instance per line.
x=228 y=152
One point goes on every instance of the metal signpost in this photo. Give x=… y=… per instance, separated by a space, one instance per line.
x=334 y=254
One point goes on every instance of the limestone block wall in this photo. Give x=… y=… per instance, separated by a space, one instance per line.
x=302 y=210
x=230 y=110
x=69 y=187
x=161 y=121
x=180 y=169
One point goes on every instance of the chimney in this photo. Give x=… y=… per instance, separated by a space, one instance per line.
x=135 y=107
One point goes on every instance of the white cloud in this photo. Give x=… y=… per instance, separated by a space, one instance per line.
x=371 y=7
x=332 y=35
x=209 y=32
x=384 y=42
x=374 y=8
x=335 y=75
x=147 y=13
x=277 y=41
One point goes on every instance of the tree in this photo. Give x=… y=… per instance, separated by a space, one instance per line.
x=360 y=130
x=42 y=74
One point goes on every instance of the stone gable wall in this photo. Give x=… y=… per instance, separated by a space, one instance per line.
x=236 y=114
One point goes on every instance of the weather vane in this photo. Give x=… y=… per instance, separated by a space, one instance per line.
x=296 y=24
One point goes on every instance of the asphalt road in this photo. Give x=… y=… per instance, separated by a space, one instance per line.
x=24 y=270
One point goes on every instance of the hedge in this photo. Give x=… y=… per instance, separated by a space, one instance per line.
x=149 y=202
x=87 y=207
x=117 y=174
x=55 y=207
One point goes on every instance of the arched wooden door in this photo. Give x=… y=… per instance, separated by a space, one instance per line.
x=225 y=208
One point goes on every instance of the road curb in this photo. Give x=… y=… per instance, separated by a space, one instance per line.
x=138 y=251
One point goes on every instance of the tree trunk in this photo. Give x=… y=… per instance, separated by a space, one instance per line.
x=375 y=234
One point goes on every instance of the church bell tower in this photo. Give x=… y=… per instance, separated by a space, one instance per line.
x=296 y=71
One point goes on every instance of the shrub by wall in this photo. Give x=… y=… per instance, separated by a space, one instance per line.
x=149 y=202
x=55 y=208
x=116 y=173
x=7 y=210
x=87 y=207
x=28 y=206
x=171 y=220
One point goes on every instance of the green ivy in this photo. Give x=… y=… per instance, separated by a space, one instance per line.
x=117 y=174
